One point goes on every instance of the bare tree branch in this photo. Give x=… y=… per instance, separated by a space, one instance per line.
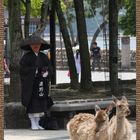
x=27 y=17
x=99 y=29
x=44 y=14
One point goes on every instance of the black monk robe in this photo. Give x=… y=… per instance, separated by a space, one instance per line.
x=29 y=64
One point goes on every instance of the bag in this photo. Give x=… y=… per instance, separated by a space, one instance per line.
x=49 y=102
x=49 y=98
x=48 y=123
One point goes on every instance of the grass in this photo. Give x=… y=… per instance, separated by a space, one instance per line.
x=61 y=93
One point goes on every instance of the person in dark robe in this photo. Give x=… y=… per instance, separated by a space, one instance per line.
x=35 y=73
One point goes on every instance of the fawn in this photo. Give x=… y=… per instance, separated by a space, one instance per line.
x=85 y=126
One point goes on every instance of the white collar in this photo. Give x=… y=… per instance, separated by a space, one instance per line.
x=36 y=54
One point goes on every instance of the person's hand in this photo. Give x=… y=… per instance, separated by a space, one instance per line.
x=45 y=74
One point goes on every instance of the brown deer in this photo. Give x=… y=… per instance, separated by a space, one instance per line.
x=119 y=126
x=86 y=126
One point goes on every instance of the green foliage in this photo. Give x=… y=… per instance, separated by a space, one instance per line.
x=23 y=9
x=128 y=21
x=5 y=3
x=89 y=6
x=68 y=9
x=64 y=5
x=35 y=8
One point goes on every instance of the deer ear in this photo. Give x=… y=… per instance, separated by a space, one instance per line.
x=109 y=108
x=115 y=100
x=124 y=99
x=97 y=108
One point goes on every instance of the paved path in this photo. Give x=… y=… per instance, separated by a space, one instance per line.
x=35 y=135
x=25 y=134
x=39 y=135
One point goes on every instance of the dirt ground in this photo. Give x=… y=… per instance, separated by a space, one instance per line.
x=100 y=90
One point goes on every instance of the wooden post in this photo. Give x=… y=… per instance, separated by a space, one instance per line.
x=1 y=68
x=138 y=69
x=53 y=41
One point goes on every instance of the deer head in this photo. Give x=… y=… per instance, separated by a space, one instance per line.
x=102 y=115
x=122 y=106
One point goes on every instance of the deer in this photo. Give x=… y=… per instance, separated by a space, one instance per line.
x=119 y=127
x=85 y=126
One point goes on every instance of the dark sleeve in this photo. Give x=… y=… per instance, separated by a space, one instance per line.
x=25 y=67
x=27 y=75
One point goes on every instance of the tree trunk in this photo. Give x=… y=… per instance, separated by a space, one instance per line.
x=66 y=37
x=1 y=70
x=53 y=42
x=44 y=17
x=15 y=39
x=113 y=45
x=69 y=24
x=44 y=11
x=71 y=33
x=86 y=83
x=27 y=18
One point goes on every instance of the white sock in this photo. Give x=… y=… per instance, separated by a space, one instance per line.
x=37 y=123
x=33 y=123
